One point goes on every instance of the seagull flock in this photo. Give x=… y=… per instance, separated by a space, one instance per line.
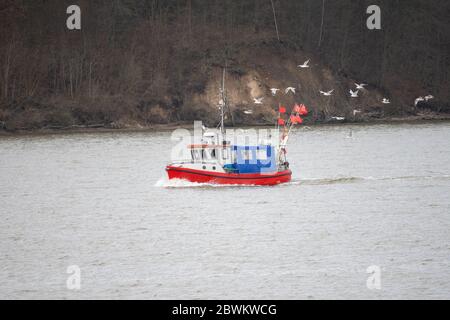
x=353 y=94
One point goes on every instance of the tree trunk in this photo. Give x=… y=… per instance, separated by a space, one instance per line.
x=321 y=24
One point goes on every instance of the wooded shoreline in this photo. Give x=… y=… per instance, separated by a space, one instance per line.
x=153 y=63
x=436 y=118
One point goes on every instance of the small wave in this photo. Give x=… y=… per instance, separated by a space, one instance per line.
x=338 y=180
x=325 y=181
x=440 y=177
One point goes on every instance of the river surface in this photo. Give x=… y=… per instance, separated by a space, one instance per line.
x=362 y=197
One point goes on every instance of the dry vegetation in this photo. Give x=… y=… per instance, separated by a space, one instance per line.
x=137 y=63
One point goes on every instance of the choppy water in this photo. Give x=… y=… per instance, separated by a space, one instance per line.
x=376 y=197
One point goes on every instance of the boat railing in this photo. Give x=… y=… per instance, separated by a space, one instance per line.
x=190 y=161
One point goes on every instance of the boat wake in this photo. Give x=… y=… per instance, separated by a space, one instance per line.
x=325 y=181
x=343 y=180
x=164 y=182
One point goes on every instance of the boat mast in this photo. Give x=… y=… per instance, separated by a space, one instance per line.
x=223 y=104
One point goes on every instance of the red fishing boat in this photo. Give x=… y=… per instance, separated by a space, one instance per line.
x=217 y=161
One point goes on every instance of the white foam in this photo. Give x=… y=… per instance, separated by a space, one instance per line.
x=164 y=182
x=181 y=183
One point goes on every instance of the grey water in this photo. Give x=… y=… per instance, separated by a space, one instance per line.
x=361 y=196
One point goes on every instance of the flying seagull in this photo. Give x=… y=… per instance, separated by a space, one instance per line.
x=274 y=91
x=355 y=112
x=360 y=86
x=290 y=89
x=386 y=101
x=258 y=100
x=304 y=65
x=354 y=94
x=329 y=93
x=419 y=99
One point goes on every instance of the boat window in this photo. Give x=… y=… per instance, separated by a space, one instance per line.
x=262 y=154
x=210 y=154
x=225 y=154
x=196 y=155
x=246 y=155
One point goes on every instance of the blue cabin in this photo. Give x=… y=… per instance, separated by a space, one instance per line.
x=252 y=159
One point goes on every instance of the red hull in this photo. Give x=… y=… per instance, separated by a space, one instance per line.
x=199 y=176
